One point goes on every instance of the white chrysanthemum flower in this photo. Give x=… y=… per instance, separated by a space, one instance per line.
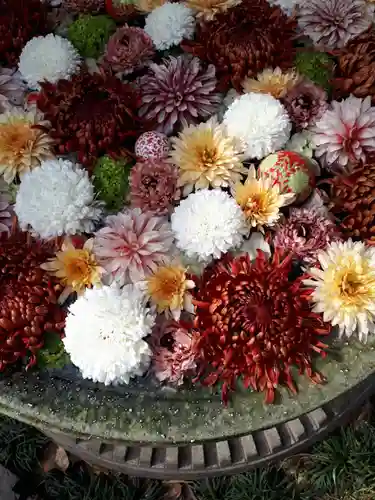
x=344 y=287
x=169 y=24
x=259 y=123
x=57 y=198
x=288 y=6
x=48 y=58
x=207 y=224
x=104 y=334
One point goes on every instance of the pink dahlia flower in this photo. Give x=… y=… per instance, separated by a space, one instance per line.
x=345 y=134
x=153 y=186
x=305 y=103
x=178 y=91
x=84 y=6
x=128 y=49
x=12 y=89
x=133 y=244
x=304 y=233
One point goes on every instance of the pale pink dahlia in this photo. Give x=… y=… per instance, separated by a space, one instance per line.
x=153 y=186
x=304 y=233
x=177 y=91
x=133 y=244
x=128 y=49
x=12 y=89
x=345 y=134
x=332 y=23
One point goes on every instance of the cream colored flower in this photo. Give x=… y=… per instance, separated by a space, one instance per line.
x=272 y=81
x=344 y=287
x=259 y=200
x=206 y=157
x=147 y=6
x=23 y=142
x=168 y=288
x=76 y=268
x=208 y=9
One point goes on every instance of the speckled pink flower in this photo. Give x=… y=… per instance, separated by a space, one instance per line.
x=153 y=186
x=133 y=244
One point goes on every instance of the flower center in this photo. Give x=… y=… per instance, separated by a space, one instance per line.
x=351 y=285
x=208 y=158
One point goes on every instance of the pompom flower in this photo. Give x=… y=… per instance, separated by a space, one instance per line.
x=89 y=34
x=104 y=334
x=344 y=287
x=12 y=89
x=133 y=244
x=128 y=49
x=206 y=157
x=255 y=324
x=332 y=23
x=111 y=181
x=207 y=224
x=153 y=186
x=48 y=58
x=169 y=24
x=305 y=103
x=260 y=200
x=84 y=6
x=260 y=124
x=177 y=91
x=147 y=6
x=304 y=233
x=345 y=134
x=272 y=81
x=168 y=289
x=24 y=142
x=57 y=198
x=315 y=66
x=206 y=10
x=75 y=268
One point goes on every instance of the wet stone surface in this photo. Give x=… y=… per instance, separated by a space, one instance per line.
x=7 y=481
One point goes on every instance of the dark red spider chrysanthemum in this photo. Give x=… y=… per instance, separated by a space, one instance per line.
x=244 y=40
x=28 y=300
x=92 y=115
x=255 y=324
x=20 y=20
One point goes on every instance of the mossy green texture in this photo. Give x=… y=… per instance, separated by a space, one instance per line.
x=52 y=354
x=89 y=34
x=111 y=181
x=317 y=66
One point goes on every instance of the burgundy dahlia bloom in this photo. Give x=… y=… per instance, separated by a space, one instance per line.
x=84 y=6
x=153 y=186
x=304 y=233
x=306 y=104
x=255 y=323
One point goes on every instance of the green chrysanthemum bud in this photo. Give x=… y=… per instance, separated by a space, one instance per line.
x=111 y=181
x=317 y=66
x=89 y=34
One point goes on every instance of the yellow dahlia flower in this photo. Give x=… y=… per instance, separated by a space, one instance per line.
x=76 y=268
x=147 y=6
x=272 y=81
x=206 y=157
x=23 y=145
x=168 y=288
x=259 y=200
x=344 y=287
x=208 y=9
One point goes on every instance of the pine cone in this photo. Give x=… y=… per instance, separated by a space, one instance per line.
x=353 y=202
x=355 y=71
x=28 y=301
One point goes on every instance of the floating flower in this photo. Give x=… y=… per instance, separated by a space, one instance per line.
x=206 y=10
x=168 y=289
x=89 y=34
x=254 y=325
x=315 y=66
x=177 y=91
x=12 y=89
x=75 y=268
x=24 y=143
x=111 y=181
x=105 y=331
x=259 y=123
x=344 y=287
x=133 y=244
x=84 y=6
x=260 y=200
x=301 y=142
x=48 y=58
x=153 y=186
x=305 y=103
x=272 y=81
x=147 y=6
x=206 y=157
x=287 y=6
x=304 y=233
x=332 y=23
x=57 y=198
x=6 y=210
x=152 y=146
x=169 y=24
x=345 y=134
x=207 y=224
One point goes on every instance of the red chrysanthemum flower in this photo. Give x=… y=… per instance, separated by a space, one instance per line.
x=93 y=115
x=28 y=300
x=20 y=20
x=255 y=323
